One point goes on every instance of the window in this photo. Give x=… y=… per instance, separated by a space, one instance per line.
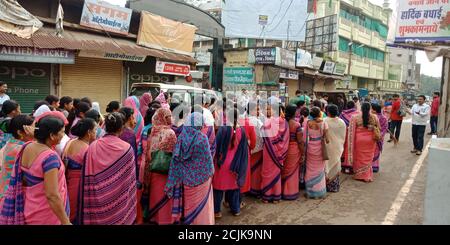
x=409 y=72
x=410 y=58
x=399 y=55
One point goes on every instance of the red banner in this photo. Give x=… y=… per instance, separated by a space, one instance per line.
x=172 y=68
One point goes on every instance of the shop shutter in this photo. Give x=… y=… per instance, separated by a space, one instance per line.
x=98 y=79
x=27 y=82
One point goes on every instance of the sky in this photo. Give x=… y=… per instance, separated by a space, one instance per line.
x=428 y=68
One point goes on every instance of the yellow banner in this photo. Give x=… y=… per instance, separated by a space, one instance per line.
x=165 y=34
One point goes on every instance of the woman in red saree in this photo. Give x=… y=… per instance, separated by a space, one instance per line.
x=162 y=138
x=276 y=144
x=290 y=173
x=108 y=182
x=73 y=156
x=346 y=116
x=364 y=133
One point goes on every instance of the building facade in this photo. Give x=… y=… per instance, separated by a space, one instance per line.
x=362 y=34
x=407 y=59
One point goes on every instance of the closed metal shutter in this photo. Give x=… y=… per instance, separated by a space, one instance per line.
x=27 y=82
x=98 y=79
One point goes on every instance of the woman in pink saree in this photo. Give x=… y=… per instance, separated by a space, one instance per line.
x=257 y=152
x=364 y=133
x=315 y=133
x=346 y=116
x=37 y=193
x=290 y=173
x=191 y=170
x=162 y=138
x=276 y=144
x=144 y=103
x=231 y=165
x=73 y=156
x=12 y=148
x=108 y=195
x=376 y=110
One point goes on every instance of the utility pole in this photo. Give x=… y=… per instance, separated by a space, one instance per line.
x=350 y=49
x=288 y=29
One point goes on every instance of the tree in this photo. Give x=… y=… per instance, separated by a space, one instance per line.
x=429 y=84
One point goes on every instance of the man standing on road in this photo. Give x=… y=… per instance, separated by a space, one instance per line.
x=434 y=113
x=396 y=117
x=420 y=116
x=3 y=96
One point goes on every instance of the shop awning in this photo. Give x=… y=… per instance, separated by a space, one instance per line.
x=75 y=40
x=329 y=76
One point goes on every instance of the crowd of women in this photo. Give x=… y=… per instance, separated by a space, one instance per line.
x=151 y=161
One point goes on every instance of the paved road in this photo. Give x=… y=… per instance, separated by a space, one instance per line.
x=390 y=198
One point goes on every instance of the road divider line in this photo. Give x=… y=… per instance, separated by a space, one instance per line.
x=392 y=215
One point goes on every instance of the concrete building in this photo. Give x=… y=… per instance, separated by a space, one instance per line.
x=410 y=73
x=362 y=33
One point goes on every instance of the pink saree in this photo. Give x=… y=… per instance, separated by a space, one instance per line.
x=160 y=206
x=109 y=183
x=37 y=211
x=315 y=181
x=361 y=150
x=346 y=116
x=290 y=173
x=199 y=204
x=275 y=150
x=379 y=149
x=256 y=167
x=74 y=166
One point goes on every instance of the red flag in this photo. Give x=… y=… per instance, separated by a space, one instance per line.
x=315 y=6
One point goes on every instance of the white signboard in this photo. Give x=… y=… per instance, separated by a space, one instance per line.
x=303 y=59
x=289 y=74
x=106 y=17
x=268 y=19
x=328 y=67
x=423 y=21
x=317 y=62
x=285 y=58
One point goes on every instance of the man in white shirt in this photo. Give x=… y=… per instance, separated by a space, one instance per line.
x=3 y=96
x=420 y=115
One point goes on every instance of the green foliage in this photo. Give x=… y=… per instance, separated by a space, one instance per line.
x=429 y=84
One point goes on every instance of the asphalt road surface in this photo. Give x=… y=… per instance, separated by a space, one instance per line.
x=395 y=197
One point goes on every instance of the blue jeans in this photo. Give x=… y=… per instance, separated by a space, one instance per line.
x=433 y=124
x=233 y=197
x=418 y=132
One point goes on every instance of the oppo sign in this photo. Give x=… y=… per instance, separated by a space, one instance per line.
x=142 y=78
x=18 y=72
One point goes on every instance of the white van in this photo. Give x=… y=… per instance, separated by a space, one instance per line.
x=178 y=93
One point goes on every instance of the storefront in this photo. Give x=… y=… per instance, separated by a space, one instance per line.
x=98 y=79
x=145 y=73
x=29 y=73
x=27 y=82
x=277 y=66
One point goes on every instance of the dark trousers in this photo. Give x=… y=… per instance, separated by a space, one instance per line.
x=233 y=197
x=433 y=124
x=418 y=132
x=395 y=128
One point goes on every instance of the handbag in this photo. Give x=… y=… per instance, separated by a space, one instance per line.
x=160 y=162
x=402 y=111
